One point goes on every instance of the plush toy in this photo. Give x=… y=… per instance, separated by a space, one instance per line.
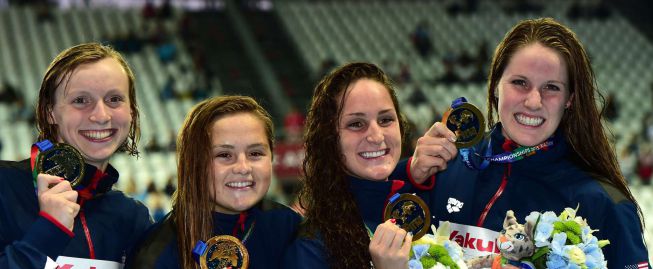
x=515 y=245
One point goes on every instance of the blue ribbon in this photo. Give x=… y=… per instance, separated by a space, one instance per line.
x=520 y=153
x=458 y=102
x=34 y=158
x=44 y=145
x=393 y=198
x=198 y=250
x=466 y=152
x=506 y=157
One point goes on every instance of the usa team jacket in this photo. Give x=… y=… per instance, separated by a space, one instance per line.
x=28 y=237
x=371 y=198
x=477 y=201
x=272 y=226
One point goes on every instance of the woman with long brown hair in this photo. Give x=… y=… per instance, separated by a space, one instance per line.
x=67 y=212
x=353 y=141
x=546 y=151
x=224 y=152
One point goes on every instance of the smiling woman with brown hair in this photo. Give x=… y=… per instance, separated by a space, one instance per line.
x=543 y=90
x=224 y=164
x=86 y=101
x=354 y=133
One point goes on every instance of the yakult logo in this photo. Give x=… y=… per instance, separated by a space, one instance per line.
x=470 y=242
x=454 y=205
x=475 y=241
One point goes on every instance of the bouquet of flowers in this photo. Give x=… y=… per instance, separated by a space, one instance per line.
x=436 y=251
x=565 y=241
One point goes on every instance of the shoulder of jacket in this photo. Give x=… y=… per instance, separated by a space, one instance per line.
x=267 y=205
x=162 y=232
x=153 y=244
x=609 y=190
x=17 y=166
x=615 y=194
x=12 y=172
x=276 y=214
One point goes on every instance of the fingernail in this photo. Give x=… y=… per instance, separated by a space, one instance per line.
x=452 y=139
x=393 y=221
x=410 y=233
x=61 y=179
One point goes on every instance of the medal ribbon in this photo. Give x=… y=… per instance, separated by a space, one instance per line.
x=520 y=152
x=506 y=157
x=241 y=224
x=201 y=247
x=369 y=231
x=37 y=147
x=466 y=152
x=396 y=186
x=458 y=102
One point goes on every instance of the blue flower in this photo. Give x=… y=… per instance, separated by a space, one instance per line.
x=593 y=254
x=573 y=266
x=415 y=264
x=533 y=216
x=587 y=254
x=544 y=227
x=542 y=234
x=558 y=243
x=549 y=217
x=555 y=261
x=558 y=257
x=453 y=249
x=420 y=251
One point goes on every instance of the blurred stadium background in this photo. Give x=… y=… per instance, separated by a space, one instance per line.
x=437 y=50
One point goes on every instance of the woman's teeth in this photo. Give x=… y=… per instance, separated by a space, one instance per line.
x=530 y=121
x=97 y=135
x=373 y=154
x=240 y=184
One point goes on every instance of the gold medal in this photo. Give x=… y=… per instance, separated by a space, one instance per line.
x=410 y=213
x=224 y=251
x=466 y=121
x=62 y=160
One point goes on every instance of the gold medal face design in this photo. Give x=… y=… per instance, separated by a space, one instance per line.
x=410 y=213
x=64 y=161
x=224 y=251
x=467 y=122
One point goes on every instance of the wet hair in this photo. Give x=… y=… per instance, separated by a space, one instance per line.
x=331 y=210
x=60 y=71
x=192 y=203
x=581 y=122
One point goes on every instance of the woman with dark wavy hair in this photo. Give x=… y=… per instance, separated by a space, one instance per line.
x=543 y=90
x=354 y=133
x=224 y=164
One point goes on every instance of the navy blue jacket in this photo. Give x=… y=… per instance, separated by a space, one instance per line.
x=370 y=197
x=546 y=181
x=273 y=227
x=27 y=237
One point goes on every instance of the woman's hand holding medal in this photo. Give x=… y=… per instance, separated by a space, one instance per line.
x=390 y=246
x=432 y=152
x=58 y=201
x=462 y=126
